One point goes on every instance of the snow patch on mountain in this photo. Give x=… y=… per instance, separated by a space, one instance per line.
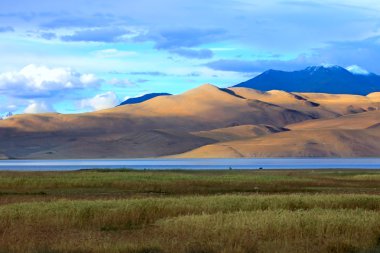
x=357 y=70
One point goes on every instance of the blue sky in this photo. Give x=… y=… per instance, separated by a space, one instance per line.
x=74 y=56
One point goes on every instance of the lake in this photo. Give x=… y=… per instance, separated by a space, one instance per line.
x=238 y=163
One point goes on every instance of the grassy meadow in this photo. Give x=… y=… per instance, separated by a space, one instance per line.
x=190 y=211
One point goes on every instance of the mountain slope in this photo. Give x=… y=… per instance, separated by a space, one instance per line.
x=157 y=127
x=334 y=80
x=204 y=122
x=322 y=105
x=344 y=103
x=208 y=107
x=306 y=143
x=353 y=121
x=239 y=132
x=347 y=136
x=287 y=100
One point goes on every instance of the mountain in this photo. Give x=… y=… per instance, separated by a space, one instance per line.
x=204 y=122
x=158 y=127
x=319 y=79
x=143 y=98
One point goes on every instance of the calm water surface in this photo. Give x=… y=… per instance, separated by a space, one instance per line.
x=243 y=163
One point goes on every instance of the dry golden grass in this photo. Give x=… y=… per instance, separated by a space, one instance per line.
x=70 y=219
x=19 y=186
x=274 y=231
x=232 y=223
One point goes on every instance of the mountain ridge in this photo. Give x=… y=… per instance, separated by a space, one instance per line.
x=318 y=79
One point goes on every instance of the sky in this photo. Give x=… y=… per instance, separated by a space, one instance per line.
x=76 y=56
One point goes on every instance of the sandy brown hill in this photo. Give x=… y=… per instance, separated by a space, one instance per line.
x=344 y=103
x=90 y=135
x=321 y=104
x=239 y=132
x=299 y=143
x=149 y=143
x=204 y=122
x=204 y=108
x=287 y=100
x=375 y=96
x=352 y=135
x=352 y=121
x=157 y=127
x=208 y=107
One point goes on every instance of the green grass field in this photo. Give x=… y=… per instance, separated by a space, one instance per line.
x=190 y=211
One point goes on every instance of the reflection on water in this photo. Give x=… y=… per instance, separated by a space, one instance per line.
x=240 y=163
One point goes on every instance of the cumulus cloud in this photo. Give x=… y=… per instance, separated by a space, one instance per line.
x=41 y=81
x=38 y=107
x=88 y=79
x=100 y=101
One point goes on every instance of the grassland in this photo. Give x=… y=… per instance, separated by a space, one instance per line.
x=190 y=211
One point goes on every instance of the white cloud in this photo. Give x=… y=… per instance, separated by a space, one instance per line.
x=38 y=107
x=88 y=79
x=33 y=81
x=7 y=106
x=100 y=101
x=355 y=69
x=11 y=107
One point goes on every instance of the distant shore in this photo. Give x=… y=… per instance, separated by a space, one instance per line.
x=191 y=164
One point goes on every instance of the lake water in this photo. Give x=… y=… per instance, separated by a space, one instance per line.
x=243 y=163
